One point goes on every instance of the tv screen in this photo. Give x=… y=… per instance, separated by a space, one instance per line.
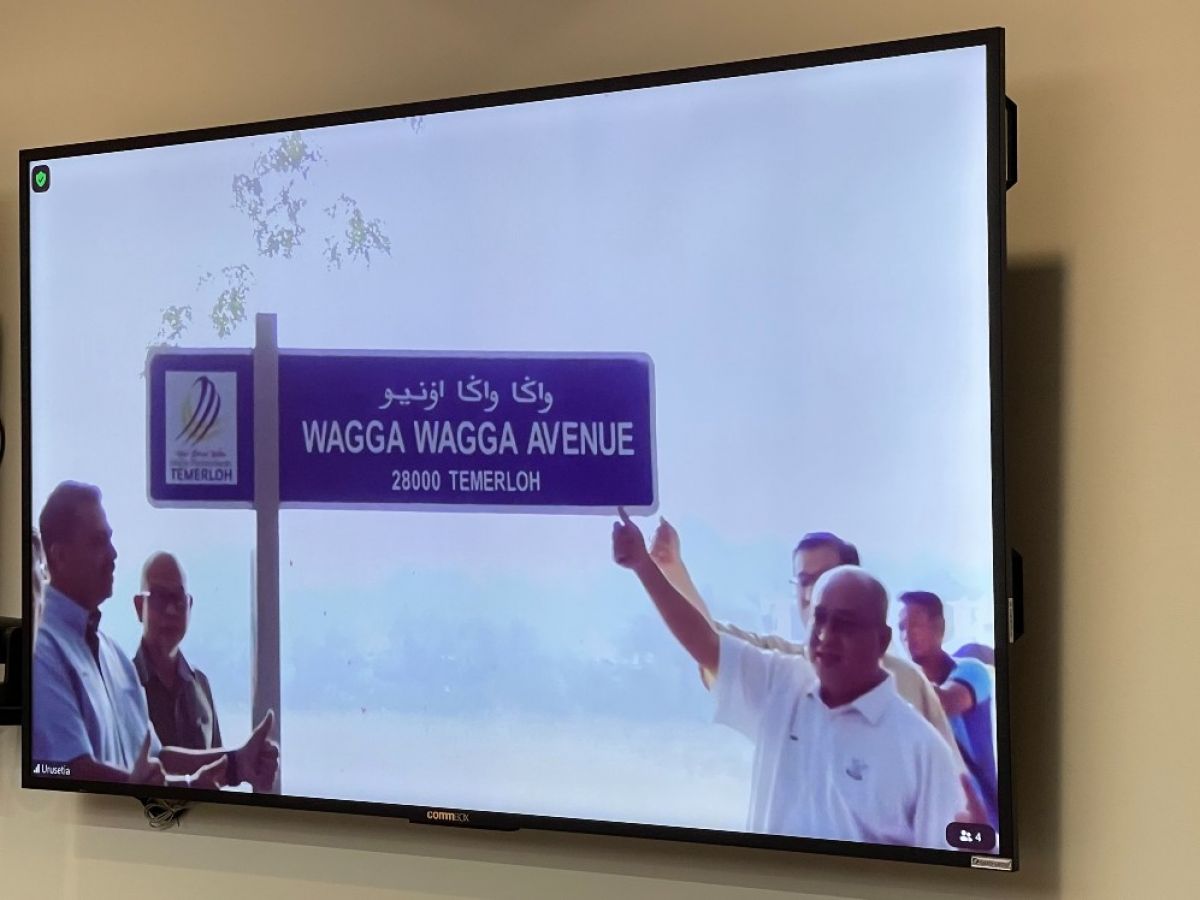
x=619 y=457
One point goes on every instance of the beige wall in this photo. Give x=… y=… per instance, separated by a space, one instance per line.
x=1104 y=404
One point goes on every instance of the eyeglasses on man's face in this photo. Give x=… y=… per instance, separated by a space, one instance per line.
x=167 y=598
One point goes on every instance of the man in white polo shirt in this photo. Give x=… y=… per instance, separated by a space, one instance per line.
x=816 y=554
x=838 y=754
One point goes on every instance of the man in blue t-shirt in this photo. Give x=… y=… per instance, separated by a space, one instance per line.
x=963 y=685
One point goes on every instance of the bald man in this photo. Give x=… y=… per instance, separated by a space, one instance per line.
x=179 y=696
x=816 y=554
x=838 y=754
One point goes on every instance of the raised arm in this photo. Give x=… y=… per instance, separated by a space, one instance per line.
x=665 y=550
x=690 y=626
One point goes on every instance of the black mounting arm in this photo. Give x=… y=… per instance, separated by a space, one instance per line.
x=10 y=685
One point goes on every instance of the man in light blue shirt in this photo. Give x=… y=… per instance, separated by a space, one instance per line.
x=89 y=709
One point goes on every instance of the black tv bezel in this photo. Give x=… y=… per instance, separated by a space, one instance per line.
x=992 y=40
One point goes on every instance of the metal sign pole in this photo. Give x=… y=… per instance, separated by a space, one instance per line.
x=264 y=612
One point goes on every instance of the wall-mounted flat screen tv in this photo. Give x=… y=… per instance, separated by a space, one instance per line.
x=618 y=457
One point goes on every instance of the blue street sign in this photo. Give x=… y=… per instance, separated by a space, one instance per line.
x=512 y=432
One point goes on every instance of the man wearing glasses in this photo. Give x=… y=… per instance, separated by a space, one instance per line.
x=178 y=695
x=839 y=755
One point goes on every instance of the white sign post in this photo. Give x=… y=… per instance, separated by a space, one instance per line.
x=264 y=610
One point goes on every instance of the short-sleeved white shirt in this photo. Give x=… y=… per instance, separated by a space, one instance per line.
x=869 y=771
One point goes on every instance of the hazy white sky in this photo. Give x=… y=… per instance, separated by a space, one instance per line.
x=803 y=254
